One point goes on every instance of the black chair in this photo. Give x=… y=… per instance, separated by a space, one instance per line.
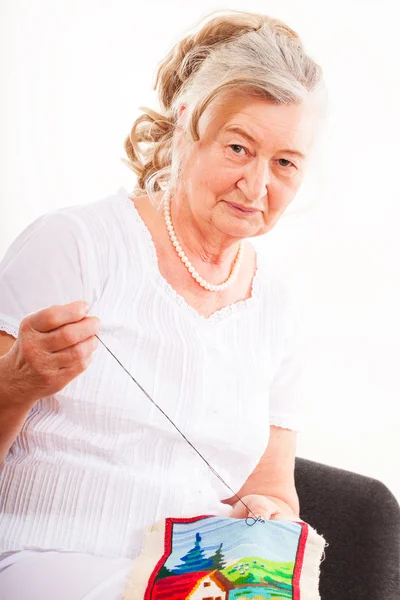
x=359 y=518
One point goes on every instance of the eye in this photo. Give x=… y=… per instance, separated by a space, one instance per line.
x=237 y=146
x=287 y=161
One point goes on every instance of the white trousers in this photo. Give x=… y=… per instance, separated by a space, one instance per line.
x=54 y=575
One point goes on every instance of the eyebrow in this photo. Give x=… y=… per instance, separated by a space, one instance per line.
x=242 y=132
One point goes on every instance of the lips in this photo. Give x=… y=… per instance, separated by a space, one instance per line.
x=241 y=208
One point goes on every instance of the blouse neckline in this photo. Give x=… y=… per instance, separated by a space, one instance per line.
x=223 y=313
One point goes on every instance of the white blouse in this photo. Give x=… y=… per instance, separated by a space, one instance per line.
x=97 y=462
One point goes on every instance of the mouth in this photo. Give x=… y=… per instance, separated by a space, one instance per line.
x=242 y=209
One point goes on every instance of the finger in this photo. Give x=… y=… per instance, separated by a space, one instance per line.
x=262 y=506
x=78 y=353
x=239 y=511
x=282 y=516
x=57 y=315
x=260 y=511
x=278 y=516
x=68 y=335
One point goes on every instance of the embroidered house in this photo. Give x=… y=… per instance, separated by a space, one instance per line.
x=176 y=587
x=193 y=586
x=214 y=586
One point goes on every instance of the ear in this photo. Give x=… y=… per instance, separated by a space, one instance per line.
x=181 y=114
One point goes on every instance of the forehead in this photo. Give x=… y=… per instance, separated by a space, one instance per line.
x=271 y=125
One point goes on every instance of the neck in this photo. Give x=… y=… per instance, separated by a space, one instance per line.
x=200 y=242
x=185 y=259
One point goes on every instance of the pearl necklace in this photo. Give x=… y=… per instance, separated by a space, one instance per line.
x=205 y=284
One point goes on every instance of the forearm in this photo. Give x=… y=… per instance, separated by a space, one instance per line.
x=12 y=422
x=13 y=411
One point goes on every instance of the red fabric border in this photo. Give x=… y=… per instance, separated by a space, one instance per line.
x=168 y=547
x=299 y=560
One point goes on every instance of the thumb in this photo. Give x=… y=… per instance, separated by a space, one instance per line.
x=239 y=511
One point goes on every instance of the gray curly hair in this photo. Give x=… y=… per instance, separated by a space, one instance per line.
x=232 y=50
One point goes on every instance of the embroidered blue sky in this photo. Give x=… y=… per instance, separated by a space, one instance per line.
x=273 y=536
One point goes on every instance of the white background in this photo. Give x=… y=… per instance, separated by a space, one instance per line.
x=73 y=75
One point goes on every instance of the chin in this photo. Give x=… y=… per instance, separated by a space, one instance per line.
x=239 y=231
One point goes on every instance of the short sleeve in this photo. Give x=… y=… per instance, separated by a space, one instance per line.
x=286 y=399
x=46 y=264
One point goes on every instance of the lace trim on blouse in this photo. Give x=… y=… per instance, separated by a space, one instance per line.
x=10 y=329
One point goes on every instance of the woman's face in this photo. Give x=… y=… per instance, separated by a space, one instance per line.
x=242 y=186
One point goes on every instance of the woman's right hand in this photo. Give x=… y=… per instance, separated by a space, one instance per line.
x=54 y=345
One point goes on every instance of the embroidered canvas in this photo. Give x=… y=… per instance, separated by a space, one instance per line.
x=220 y=558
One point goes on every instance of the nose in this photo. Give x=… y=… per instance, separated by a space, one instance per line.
x=256 y=177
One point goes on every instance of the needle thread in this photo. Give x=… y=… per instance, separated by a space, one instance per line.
x=256 y=519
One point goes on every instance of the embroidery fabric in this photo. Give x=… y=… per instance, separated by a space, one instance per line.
x=218 y=558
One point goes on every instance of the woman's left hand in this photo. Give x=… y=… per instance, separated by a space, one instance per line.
x=264 y=507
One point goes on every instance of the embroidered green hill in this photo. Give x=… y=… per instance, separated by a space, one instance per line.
x=254 y=569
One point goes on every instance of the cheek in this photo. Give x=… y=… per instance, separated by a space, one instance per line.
x=276 y=202
x=220 y=181
x=212 y=172
x=280 y=196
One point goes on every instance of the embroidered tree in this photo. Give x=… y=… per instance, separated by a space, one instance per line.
x=164 y=572
x=218 y=560
x=194 y=560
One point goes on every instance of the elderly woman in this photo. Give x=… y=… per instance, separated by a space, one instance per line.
x=185 y=303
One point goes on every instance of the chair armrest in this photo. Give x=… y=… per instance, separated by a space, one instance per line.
x=360 y=519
